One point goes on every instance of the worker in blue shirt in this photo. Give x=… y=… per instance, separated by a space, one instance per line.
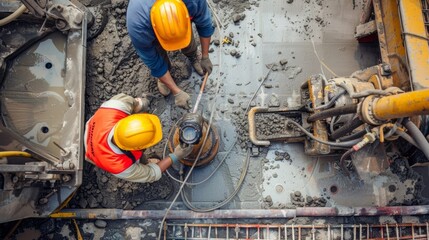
x=157 y=26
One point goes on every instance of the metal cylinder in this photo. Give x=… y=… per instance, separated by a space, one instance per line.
x=401 y=105
x=210 y=149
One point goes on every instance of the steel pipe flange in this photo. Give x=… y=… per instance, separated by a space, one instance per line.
x=209 y=151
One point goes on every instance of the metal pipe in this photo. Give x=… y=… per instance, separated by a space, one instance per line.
x=417 y=136
x=252 y=126
x=243 y=213
x=401 y=105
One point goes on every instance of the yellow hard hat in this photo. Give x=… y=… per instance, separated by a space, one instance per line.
x=171 y=24
x=137 y=131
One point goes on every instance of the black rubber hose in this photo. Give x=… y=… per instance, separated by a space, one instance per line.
x=353 y=136
x=332 y=101
x=342 y=161
x=346 y=128
x=347 y=109
x=418 y=136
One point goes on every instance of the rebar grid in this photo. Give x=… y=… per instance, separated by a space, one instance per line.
x=192 y=231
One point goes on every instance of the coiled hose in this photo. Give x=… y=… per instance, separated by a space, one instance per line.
x=226 y=200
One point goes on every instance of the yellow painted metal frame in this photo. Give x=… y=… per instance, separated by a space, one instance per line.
x=395 y=52
x=402 y=105
x=416 y=42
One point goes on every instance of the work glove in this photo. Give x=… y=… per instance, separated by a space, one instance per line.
x=180 y=153
x=182 y=100
x=206 y=64
x=141 y=104
x=197 y=66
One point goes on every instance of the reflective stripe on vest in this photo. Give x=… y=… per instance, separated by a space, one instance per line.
x=98 y=149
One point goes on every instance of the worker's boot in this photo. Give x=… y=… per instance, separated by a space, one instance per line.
x=196 y=63
x=163 y=89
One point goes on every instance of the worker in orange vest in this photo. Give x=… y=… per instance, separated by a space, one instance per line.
x=117 y=135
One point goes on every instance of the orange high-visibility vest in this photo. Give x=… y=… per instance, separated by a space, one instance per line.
x=97 y=146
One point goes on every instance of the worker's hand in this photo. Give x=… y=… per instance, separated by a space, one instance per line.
x=197 y=66
x=206 y=64
x=180 y=153
x=141 y=104
x=182 y=100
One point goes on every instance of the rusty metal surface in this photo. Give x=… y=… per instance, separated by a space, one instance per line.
x=316 y=89
x=395 y=47
x=290 y=136
x=196 y=231
x=243 y=213
x=382 y=39
x=209 y=151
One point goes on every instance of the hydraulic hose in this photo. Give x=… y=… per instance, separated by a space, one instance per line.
x=353 y=136
x=347 y=109
x=14 y=154
x=417 y=136
x=13 y=16
x=407 y=138
x=347 y=128
x=335 y=144
x=332 y=101
x=343 y=159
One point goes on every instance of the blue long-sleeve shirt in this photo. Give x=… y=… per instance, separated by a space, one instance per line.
x=142 y=35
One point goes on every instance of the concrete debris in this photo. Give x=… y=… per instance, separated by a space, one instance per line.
x=100 y=223
x=299 y=201
x=236 y=18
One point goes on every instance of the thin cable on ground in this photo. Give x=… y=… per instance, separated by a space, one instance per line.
x=259 y=87
x=218 y=23
x=211 y=174
x=229 y=198
x=321 y=62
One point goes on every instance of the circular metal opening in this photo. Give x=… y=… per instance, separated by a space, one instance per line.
x=48 y=65
x=333 y=189
x=44 y=129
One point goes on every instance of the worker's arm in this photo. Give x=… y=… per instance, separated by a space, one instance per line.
x=127 y=103
x=205 y=43
x=151 y=172
x=201 y=16
x=168 y=80
x=141 y=173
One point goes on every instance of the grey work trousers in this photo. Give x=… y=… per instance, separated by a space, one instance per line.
x=190 y=51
